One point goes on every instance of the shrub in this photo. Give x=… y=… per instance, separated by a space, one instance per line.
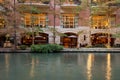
x=47 y=48
x=23 y=47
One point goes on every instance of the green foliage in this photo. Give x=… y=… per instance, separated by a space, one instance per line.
x=30 y=9
x=117 y=35
x=21 y=1
x=45 y=1
x=99 y=45
x=35 y=10
x=23 y=47
x=28 y=33
x=47 y=48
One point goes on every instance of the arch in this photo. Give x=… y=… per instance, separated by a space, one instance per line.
x=101 y=38
x=2 y=39
x=69 y=41
x=40 y=38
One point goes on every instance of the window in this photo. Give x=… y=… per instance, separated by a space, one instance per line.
x=113 y=21
x=95 y=2
x=101 y=21
x=2 y=22
x=36 y=20
x=1 y=1
x=69 y=21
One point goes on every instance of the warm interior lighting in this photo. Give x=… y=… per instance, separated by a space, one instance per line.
x=68 y=20
x=35 y=19
x=99 y=22
x=2 y=22
x=1 y=1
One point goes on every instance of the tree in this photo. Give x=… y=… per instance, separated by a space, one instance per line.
x=9 y=9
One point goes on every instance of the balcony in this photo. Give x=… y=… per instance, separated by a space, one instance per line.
x=71 y=3
x=33 y=2
x=105 y=2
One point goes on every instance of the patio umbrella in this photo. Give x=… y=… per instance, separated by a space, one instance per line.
x=72 y=36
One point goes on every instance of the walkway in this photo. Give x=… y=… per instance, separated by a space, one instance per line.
x=67 y=50
x=93 y=50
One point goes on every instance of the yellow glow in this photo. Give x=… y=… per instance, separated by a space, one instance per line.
x=108 y=67
x=89 y=66
x=35 y=18
x=94 y=0
x=100 y=21
x=108 y=46
x=1 y=1
x=32 y=68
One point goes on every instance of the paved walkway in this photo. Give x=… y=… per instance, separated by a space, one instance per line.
x=67 y=50
x=98 y=50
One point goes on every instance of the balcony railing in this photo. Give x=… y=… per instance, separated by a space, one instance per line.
x=34 y=1
x=71 y=2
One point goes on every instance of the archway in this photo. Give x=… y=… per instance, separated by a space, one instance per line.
x=40 y=38
x=69 y=41
x=101 y=38
x=2 y=40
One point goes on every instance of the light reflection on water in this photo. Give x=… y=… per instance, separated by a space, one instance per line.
x=90 y=61
x=60 y=66
x=7 y=65
x=32 y=68
x=108 y=67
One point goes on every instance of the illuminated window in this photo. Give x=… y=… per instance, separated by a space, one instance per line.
x=69 y=21
x=95 y=2
x=2 y=22
x=36 y=20
x=1 y=1
x=101 y=21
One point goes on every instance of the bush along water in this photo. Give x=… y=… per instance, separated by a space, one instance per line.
x=23 y=47
x=46 y=48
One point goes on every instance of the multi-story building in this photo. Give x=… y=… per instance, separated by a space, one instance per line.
x=77 y=19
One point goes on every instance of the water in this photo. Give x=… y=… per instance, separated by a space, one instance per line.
x=60 y=66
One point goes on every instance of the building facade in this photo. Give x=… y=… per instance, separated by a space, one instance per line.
x=71 y=23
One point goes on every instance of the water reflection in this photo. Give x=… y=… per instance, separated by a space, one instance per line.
x=60 y=66
x=108 y=67
x=7 y=64
x=90 y=61
x=32 y=67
